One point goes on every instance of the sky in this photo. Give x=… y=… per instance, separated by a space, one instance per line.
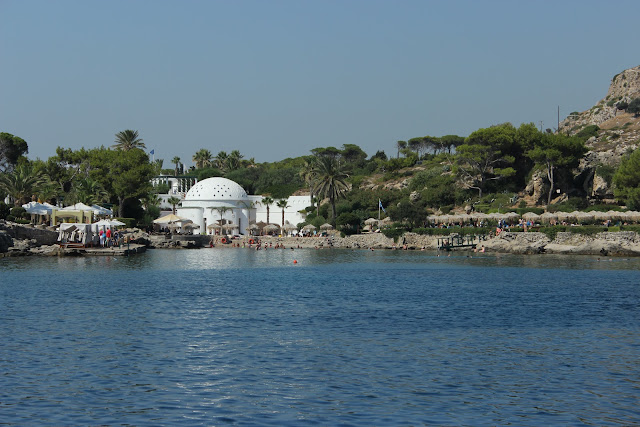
x=277 y=78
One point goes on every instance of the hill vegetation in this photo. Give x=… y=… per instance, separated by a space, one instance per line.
x=498 y=168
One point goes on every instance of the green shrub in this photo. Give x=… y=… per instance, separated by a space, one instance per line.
x=588 y=132
x=129 y=222
x=19 y=212
x=393 y=233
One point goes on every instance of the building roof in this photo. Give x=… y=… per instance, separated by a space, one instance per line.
x=216 y=189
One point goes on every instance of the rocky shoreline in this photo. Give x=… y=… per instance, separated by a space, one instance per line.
x=18 y=240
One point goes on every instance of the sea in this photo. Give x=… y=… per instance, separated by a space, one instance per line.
x=326 y=337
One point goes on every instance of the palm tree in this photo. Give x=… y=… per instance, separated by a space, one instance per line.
x=173 y=201
x=127 y=140
x=176 y=161
x=88 y=191
x=330 y=180
x=234 y=160
x=22 y=183
x=221 y=210
x=150 y=199
x=307 y=175
x=202 y=158
x=222 y=159
x=266 y=201
x=282 y=203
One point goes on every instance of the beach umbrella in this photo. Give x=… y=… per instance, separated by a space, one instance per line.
x=633 y=216
x=371 y=221
x=531 y=216
x=309 y=227
x=547 y=217
x=288 y=226
x=271 y=228
x=169 y=219
x=326 y=226
x=583 y=217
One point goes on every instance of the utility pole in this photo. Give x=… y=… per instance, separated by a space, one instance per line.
x=558 y=119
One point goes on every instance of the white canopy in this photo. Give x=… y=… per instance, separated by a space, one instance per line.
x=77 y=207
x=35 y=208
x=99 y=210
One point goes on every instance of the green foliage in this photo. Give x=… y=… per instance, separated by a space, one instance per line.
x=5 y=210
x=627 y=180
x=129 y=222
x=606 y=172
x=412 y=214
x=207 y=172
x=128 y=140
x=19 y=212
x=280 y=183
x=634 y=107
x=588 y=131
x=12 y=148
x=393 y=233
x=348 y=223
x=622 y=105
x=570 y=205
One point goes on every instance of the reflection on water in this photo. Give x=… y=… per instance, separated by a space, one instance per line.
x=217 y=336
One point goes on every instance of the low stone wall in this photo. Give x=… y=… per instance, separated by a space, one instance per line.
x=42 y=236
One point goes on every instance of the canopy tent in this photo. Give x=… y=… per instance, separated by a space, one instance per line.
x=99 y=210
x=109 y=223
x=78 y=207
x=35 y=208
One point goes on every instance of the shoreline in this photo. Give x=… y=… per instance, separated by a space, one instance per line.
x=16 y=240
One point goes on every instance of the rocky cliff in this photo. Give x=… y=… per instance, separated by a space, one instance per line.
x=614 y=132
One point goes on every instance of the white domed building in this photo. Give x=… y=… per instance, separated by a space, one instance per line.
x=218 y=201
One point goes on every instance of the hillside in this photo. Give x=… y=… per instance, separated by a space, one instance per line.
x=617 y=132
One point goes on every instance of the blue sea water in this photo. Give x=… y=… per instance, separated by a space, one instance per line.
x=240 y=337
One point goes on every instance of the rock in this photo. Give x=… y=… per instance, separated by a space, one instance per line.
x=600 y=187
x=538 y=187
x=414 y=196
x=5 y=241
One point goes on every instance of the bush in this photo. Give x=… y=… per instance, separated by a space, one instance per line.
x=5 y=210
x=129 y=222
x=19 y=212
x=588 y=132
x=394 y=233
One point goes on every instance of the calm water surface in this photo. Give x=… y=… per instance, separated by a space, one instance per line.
x=224 y=336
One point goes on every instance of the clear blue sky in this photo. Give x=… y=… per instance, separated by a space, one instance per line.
x=275 y=79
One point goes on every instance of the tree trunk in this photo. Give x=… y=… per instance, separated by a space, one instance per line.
x=550 y=176
x=333 y=208
x=267 y=214
x=121 y=207
x=283 y=218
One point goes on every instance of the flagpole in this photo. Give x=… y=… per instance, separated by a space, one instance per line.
x=379 y=204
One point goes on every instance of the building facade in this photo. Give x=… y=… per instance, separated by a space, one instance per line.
x=221 y=205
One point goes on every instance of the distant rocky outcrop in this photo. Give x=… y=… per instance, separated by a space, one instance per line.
x=613 y=133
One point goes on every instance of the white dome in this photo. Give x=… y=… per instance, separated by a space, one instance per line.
x=216 y=189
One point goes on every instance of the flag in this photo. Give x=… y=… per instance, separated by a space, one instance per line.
x=380 y=206
x=152 y=152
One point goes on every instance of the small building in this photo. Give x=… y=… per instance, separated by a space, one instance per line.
x=219 y=204
x=178 y=186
